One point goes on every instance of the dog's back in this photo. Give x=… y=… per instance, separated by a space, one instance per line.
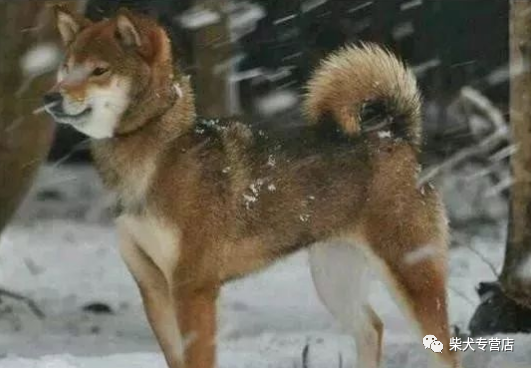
x=274 y=191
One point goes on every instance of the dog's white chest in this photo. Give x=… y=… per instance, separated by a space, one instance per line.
x=158 y=240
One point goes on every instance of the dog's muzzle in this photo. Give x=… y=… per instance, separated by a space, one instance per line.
x=54 y=102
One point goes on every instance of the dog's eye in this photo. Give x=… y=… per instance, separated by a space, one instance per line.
x=99 y=71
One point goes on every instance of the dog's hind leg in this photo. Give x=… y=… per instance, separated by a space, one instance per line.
x=411 y=248
x=421 y=293
x=341 y=278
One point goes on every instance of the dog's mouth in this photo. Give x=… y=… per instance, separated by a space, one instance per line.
x=59 y=115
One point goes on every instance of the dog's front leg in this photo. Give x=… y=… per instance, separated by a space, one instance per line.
x=158 y=302
x=196 y=314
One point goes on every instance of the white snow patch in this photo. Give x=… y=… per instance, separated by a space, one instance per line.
x=40 y=59
x=266 y=319
x=272 y=187
x=285 y=352
x=256 y=186
x=67 y=361
x=249 y=199
x=304 y=217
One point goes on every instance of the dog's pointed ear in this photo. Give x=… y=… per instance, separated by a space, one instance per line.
x=147 y=38
x=68 y=24
x=126 y=31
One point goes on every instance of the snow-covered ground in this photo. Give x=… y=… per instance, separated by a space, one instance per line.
x=62 y=252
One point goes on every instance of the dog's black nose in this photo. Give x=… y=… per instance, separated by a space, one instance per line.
x=53 y=100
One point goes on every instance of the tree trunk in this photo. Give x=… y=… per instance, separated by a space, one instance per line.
x=516 y=274
x=25 y=137
x=212 y=53
x=506 y=305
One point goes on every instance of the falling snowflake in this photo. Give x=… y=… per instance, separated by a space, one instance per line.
x=277 y=102
x=284 y=19
x=421 y=254
x=197 y=18
x=410 y=5
x=40 y=59
x=524 y=271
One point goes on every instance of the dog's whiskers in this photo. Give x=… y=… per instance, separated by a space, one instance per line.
x=43 y=108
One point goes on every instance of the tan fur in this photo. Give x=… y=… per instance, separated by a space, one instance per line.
x=204 y=202
x=357 y=75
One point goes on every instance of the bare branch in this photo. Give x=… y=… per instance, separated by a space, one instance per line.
x=29 y=302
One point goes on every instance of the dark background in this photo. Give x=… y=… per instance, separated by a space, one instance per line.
x=449 y=43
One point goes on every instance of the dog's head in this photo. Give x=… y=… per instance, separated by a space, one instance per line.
x=109 y=68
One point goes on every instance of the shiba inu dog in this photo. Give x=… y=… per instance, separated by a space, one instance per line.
x=203 y=202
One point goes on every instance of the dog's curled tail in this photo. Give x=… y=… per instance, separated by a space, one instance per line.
x=365 y=88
